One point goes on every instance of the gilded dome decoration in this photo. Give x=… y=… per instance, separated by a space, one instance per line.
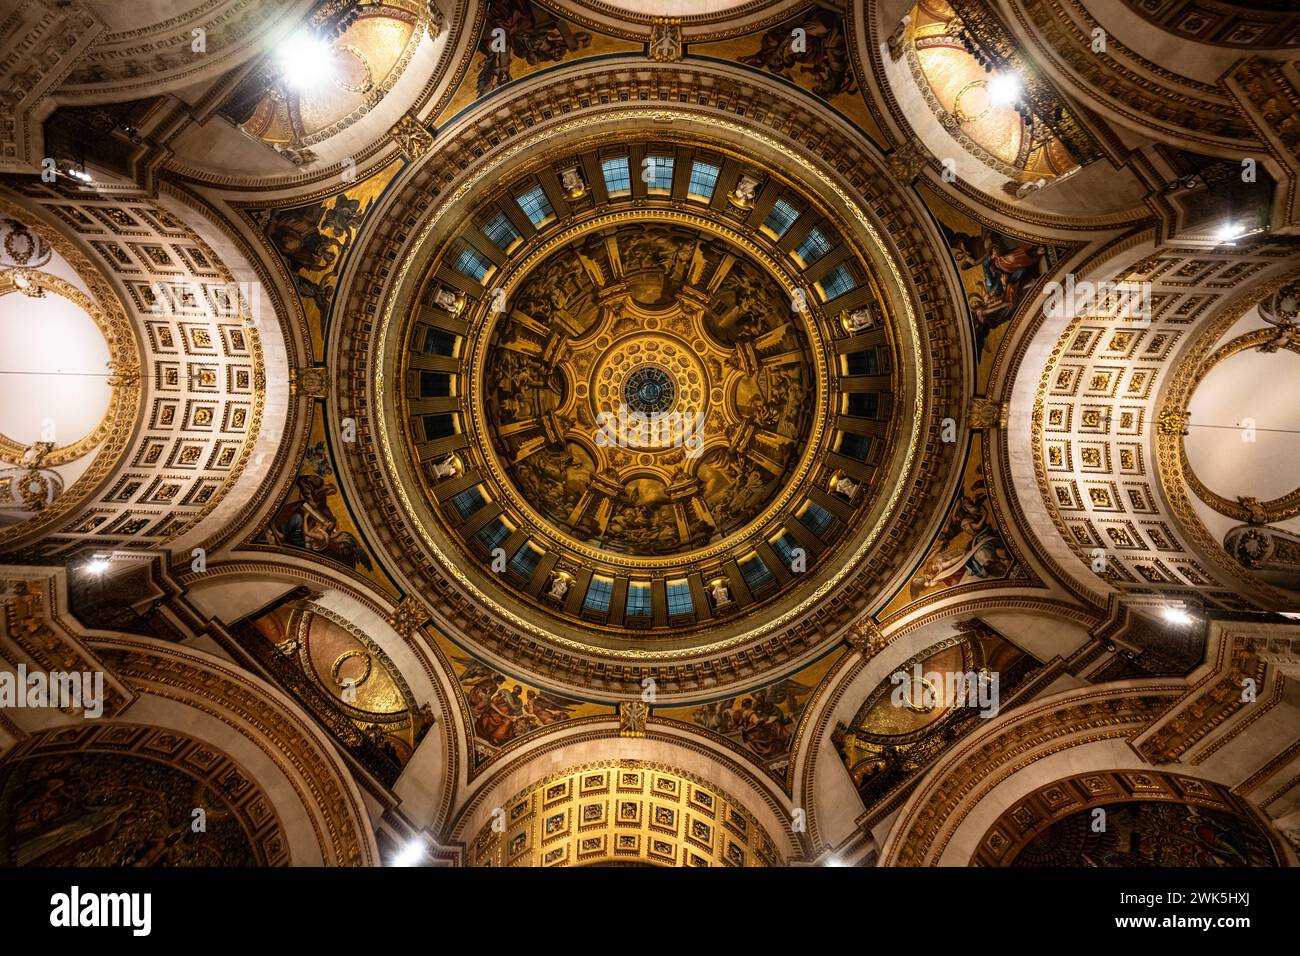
x=589 y=433
x=686 y=370
x=676 y=381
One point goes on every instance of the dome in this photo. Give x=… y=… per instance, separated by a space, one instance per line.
x=635 y=406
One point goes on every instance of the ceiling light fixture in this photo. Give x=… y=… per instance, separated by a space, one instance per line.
x=1178 y=617
x=304 y=60
x=1004 y=89
x=97 y=565
x=410 y=855
x=1229 y=232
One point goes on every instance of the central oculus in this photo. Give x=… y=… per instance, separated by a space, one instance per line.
x=649 y=391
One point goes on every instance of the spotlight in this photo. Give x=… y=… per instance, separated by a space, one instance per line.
x=97 y=565
x=410 y=855
x=304 y=60
x=1229 y=232
x=1178 y=617
x=1004 y=88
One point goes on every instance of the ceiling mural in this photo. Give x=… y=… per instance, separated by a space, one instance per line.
x=314 y=517
x=817 y=59
x=671 y=375
x=731 y=378
x=341 y=675
x=82 y=805
x=970 y=548
x=906 y=722
x=503 y=710
x=764 y=721
x=560 y=433
x=313 y=241
x=519 y=38
x=999 y=273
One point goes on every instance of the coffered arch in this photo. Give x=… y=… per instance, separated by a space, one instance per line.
x=1098 y=412
x=761 y=827
x=200 y=374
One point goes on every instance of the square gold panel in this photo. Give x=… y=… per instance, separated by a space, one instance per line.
x=699 y=832
x=556 y=855
x=667 y=787
x=517 y=844
x=702 y=800
x=521 y=808
x=663 y=818
x=1094 y=418
x=629 y=813
x=663 y=850
x=555 y=825
x=629 y=843
x=593 y=814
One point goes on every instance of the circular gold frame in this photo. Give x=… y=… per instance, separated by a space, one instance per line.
x=855 y=225
x=1276 y=509
x=127 y=360
x=1169 y=456
x=11 y=451
x=482 y=323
